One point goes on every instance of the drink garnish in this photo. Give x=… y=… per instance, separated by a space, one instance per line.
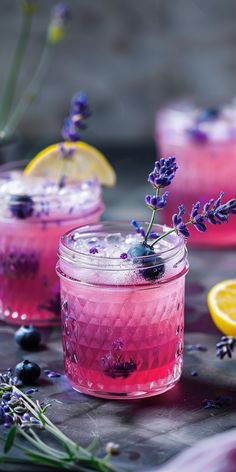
x=72 y=160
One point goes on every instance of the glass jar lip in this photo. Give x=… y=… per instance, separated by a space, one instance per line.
x=74 y=200
x=8 y=169
x=73 y=254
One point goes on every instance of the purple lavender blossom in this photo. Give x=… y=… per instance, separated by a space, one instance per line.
x=116 y=366
x=225 y=347
x=69 y=131
x=180 y=226
x=79 y=112
x=138 y=228
x=214 y=212
x=93 y=250
x=80 y=106
x=219 y=402
x=155 y=202
x=66 y=153
x=163 y=172
x=153 y=235
x=59 y=22
x=61 y=12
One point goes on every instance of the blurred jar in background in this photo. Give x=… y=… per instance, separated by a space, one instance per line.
x=204 y=144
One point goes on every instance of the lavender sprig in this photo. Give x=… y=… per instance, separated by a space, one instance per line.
x=162 y=175
x=75 y=122
x=57 y=29
x=26 y=418
x=213 y=211
x=225 y=347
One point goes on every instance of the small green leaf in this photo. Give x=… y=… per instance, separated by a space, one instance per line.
x=10 y=439
x=93 y=445
x=44 y=409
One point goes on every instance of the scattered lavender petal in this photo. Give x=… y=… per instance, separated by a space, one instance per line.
x=194 y=373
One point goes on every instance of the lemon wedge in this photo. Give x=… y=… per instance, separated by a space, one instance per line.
x=87 y=162
x=222 y=306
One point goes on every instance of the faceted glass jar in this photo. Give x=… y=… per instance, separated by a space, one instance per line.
x=122 y=319
x=33 y=216
x=204 y=144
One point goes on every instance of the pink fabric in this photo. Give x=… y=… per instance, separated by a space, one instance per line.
x=215 y=454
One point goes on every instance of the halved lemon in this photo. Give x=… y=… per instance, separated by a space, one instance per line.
x=222 y=306
x=87 y=162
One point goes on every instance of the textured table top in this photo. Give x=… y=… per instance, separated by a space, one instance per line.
x=152 y=430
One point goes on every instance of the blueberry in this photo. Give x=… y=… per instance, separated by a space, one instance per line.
x=28 y=372
x=28 y=338
x=208 y=114
x=21 y=206
x=140 y=250
x=156 y=272
x=155 y=268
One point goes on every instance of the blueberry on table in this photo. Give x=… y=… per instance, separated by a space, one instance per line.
x=28 y=338
x=28 y=372
x=155 y=268
x=21 y=206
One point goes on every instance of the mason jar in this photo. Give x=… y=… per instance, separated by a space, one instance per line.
x=204 y=144
x=34 y=213
x=122 y=315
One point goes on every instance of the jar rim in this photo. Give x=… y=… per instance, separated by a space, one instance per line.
x=75 y=200
x=73 y=255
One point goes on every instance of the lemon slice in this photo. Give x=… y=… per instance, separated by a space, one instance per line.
x=87 y=162
x=222 y=306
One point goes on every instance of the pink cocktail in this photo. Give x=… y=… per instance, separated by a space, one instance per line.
x=122 y=318
x=204 y=144
x=34 y=213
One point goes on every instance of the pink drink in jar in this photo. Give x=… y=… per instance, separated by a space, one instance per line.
x=34 y=213
x=122 y=317
x=204 y=144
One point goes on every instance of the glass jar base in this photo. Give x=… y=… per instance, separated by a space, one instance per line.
x=126 y=395
x=19 y=321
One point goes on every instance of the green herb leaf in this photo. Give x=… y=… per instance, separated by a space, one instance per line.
x=10 y=439
x=44 y=409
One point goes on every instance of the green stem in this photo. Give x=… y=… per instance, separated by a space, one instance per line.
x=162 y=236
x=29 y=95
x=152 y=218
x=18 y=57
x=167 y=233
x=44 y=447
x=82 y=455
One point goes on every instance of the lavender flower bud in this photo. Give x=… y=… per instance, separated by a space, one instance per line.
x=163 y=173
x=59 y=23
x=155 y=203
x=113 y=449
